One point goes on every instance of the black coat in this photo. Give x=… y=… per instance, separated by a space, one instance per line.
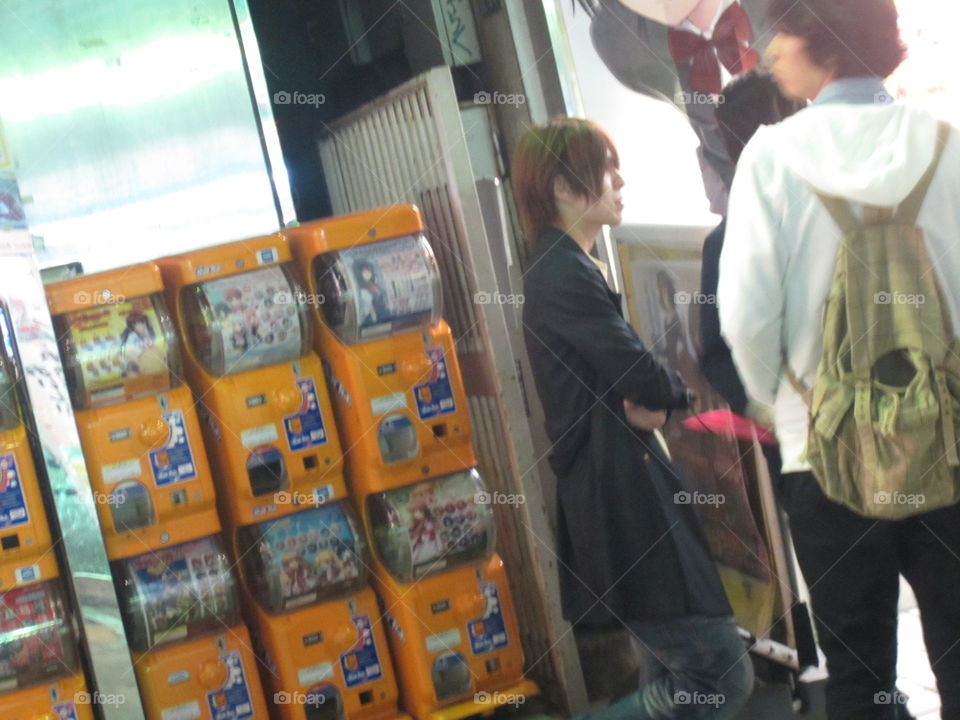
x=716 y=362
x=627 y=551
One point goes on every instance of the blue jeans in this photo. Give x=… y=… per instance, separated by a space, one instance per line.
x=701 y=670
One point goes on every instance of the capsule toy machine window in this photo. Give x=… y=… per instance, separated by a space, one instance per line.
x=40 y=670
x=152 y=483
x=278 y=462
x=373 y=287
x=316 y=617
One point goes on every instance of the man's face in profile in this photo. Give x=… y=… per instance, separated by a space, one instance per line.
x=667 y=12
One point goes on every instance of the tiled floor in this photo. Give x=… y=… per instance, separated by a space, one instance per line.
x=915 y=676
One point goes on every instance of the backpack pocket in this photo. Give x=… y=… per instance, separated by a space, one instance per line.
x=902 y=441
x=832 y=462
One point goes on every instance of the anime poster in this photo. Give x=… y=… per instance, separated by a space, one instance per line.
x=257 y=319
x=303 y=557
x=684 y=52
x=436 y=523
x=394 y=282
x=31 y=647
x=661 y=282
x=181 y=589
x=121 y=351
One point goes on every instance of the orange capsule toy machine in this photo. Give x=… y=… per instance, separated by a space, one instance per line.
x=278 y=462
x=152 y=484
x=390 y=355
x=40 y=675
x=400 y=403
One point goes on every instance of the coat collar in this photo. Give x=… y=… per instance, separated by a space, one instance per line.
x=553 y=240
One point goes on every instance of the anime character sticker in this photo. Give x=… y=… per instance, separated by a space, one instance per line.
x=425 y=524
x=255 y=318
x=372 y=297
x=138 y=347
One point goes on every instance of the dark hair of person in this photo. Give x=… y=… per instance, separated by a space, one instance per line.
x=363 y=264
x=575 y=149
x=747 y=102
x=133 y=319
x=854 y=38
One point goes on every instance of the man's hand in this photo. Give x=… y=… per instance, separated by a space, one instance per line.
x=642 y=418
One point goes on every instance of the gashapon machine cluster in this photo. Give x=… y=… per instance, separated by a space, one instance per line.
x=40 y=674
x=155 y=497
x=374 y=287
x=277 y=458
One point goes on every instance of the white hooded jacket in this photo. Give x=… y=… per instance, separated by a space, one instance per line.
x=781 y=245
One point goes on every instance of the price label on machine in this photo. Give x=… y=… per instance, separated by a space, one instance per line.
x=435 y=396
x=13 y=507
x=305 y=428
x=173 y=462
x=232 y=701
x=489 y=632
x=362 y=663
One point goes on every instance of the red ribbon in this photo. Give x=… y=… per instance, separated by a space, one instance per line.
x=730 y=45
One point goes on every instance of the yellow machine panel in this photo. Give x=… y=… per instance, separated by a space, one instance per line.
x=138 y=428
x=266 y=413
x=40 y=674
x=155 y=498
x=392 y=363
x=318 y=620
x=204 y=679
x=182 y=621
x=454 y=631
x=374 y=287
x=24 y=533
x=275 y=446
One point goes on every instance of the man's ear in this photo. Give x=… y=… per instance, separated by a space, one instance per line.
x=562 y=192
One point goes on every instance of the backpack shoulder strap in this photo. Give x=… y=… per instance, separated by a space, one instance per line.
x=841 y=212
x=909 y=209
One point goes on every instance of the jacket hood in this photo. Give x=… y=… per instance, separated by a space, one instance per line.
x=871 y=154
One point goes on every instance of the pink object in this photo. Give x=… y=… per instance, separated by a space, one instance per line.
x=727 y=422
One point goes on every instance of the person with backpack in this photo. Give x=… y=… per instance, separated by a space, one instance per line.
x=839 y=295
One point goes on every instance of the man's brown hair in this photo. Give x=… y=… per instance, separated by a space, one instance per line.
x=575 y=149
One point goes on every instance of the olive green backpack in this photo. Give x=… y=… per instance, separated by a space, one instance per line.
x=886 y=401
